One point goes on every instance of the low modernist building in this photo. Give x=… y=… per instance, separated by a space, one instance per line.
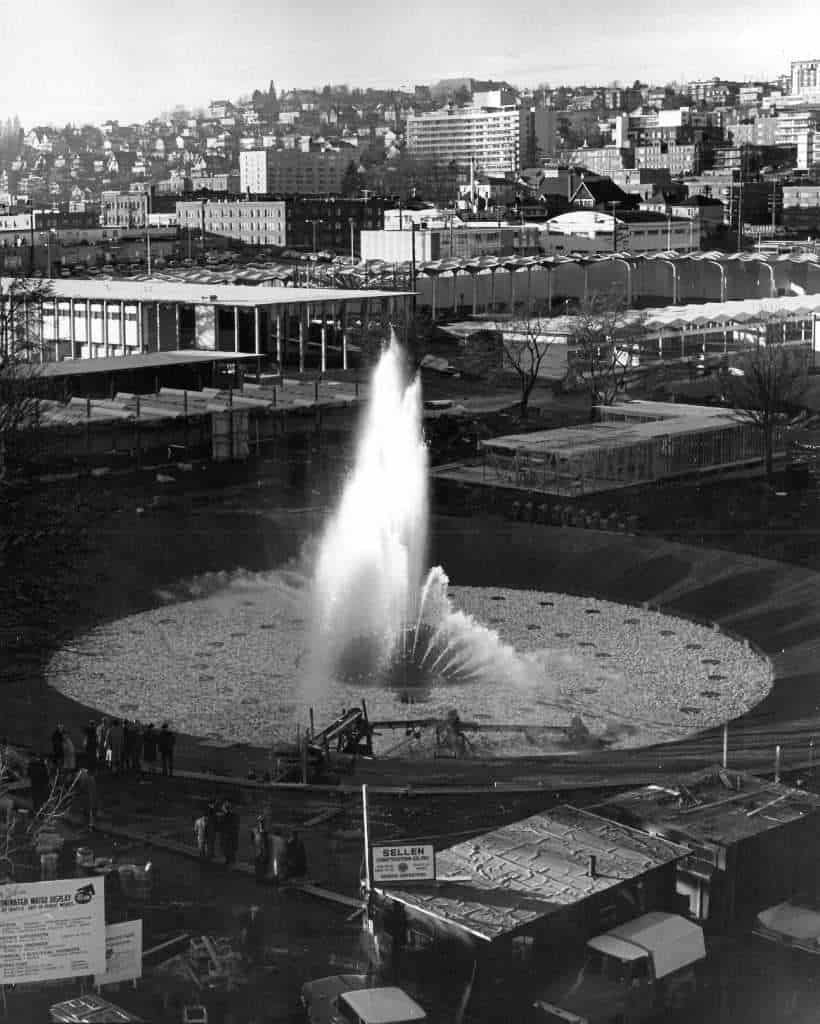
x=82 y=319
x=632 y=443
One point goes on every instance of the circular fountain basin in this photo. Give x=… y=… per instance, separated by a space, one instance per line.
x=233 y=663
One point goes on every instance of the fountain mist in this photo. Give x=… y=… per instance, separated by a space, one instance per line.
x=376 y=617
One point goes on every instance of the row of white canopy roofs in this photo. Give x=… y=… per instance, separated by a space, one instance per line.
x=796 y=314
x=479 y=263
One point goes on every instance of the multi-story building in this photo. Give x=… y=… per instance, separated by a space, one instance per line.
x=496 y=140
x=762 y=131
x=801 y=206
x=250 y=222
x=805 y=79
x=604 y=160
x=679 y=159
x=123 y=209
x=333 y=223
x=295 y=171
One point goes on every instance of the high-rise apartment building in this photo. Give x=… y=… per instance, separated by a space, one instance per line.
x=805 y=78
x=496 y=140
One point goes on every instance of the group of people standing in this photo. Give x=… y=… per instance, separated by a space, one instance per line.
x=117 y=744
x=274 y=857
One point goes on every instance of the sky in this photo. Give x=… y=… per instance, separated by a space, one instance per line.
x=87 y=61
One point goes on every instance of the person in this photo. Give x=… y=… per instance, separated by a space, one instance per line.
x=57 y=746
x=149 y=747
x=165 y=742
x=116 y=739
x=90 y=746
x=88 y=788
x=211 y=829
x=136 y=747
x=69 y=756
x=127 y=745
x=252 y=934
x=102 y=740
x=201 y=836
x=261 y=849
x=40 y=786
x=295 y=856
x=278 y=857
x=230 y=833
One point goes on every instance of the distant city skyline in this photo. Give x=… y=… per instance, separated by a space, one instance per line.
x=85 y=62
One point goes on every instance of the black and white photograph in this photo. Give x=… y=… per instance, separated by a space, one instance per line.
x=409 y=513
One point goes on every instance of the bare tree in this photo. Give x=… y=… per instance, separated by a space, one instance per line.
x=763 y=384
x=21 y=835
x=608 y=341
x=21 y=301
x=525 y=342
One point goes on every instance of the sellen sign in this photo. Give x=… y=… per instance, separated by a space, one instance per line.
x=404 y=863
x=51 y=930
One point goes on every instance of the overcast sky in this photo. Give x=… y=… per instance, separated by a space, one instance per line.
x=87 y=60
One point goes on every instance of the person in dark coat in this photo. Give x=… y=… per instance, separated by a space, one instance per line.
x=260 y=840
x=295 y=856
x=40 y=784
x=165 y=742
x=90 y=746
x=57 y=747
x=230 y=833
x=149 y=747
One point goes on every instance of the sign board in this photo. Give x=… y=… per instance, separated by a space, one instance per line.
x=52 y=930
x=123 y=953
x=404 y=863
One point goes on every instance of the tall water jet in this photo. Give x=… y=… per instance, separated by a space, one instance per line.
x=371 y=558
x=377 y=616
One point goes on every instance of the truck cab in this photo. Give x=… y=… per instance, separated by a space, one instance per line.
x=631 y=972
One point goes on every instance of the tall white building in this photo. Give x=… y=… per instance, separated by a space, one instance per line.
x=806 y=79
x=496 y=140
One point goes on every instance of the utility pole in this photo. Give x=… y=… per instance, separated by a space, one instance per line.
x=613 y=203
x=351 y=221
x=740 y=215
x=148 y=227
x=413 y=263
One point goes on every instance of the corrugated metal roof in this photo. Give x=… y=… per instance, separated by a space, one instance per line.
x=704 y=809
x=503 y=880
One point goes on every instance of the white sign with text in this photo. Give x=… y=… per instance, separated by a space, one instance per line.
x=404 y=863
x=51 y=930
x=123 y=953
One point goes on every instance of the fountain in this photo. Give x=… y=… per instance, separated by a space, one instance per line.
x=246 y=656
x=377 y=616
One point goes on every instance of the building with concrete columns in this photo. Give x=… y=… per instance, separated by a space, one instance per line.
x=93 y=319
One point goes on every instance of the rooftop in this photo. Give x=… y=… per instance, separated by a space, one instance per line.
x=642 y=422
x=506 y=879
x=212 y=294
x=708 y=807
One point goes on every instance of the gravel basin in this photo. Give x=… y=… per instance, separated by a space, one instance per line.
x=227 y=663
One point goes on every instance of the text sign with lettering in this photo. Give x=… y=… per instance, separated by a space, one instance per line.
x=404 y=863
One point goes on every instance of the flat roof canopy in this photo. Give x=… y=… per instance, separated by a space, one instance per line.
x=146 y=361
x=171 y=292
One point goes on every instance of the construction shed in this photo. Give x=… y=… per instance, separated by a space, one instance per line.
x=522 y=901
x=753 y=842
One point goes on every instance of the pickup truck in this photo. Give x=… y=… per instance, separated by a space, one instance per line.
x=631 y=973
x=351 y=999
